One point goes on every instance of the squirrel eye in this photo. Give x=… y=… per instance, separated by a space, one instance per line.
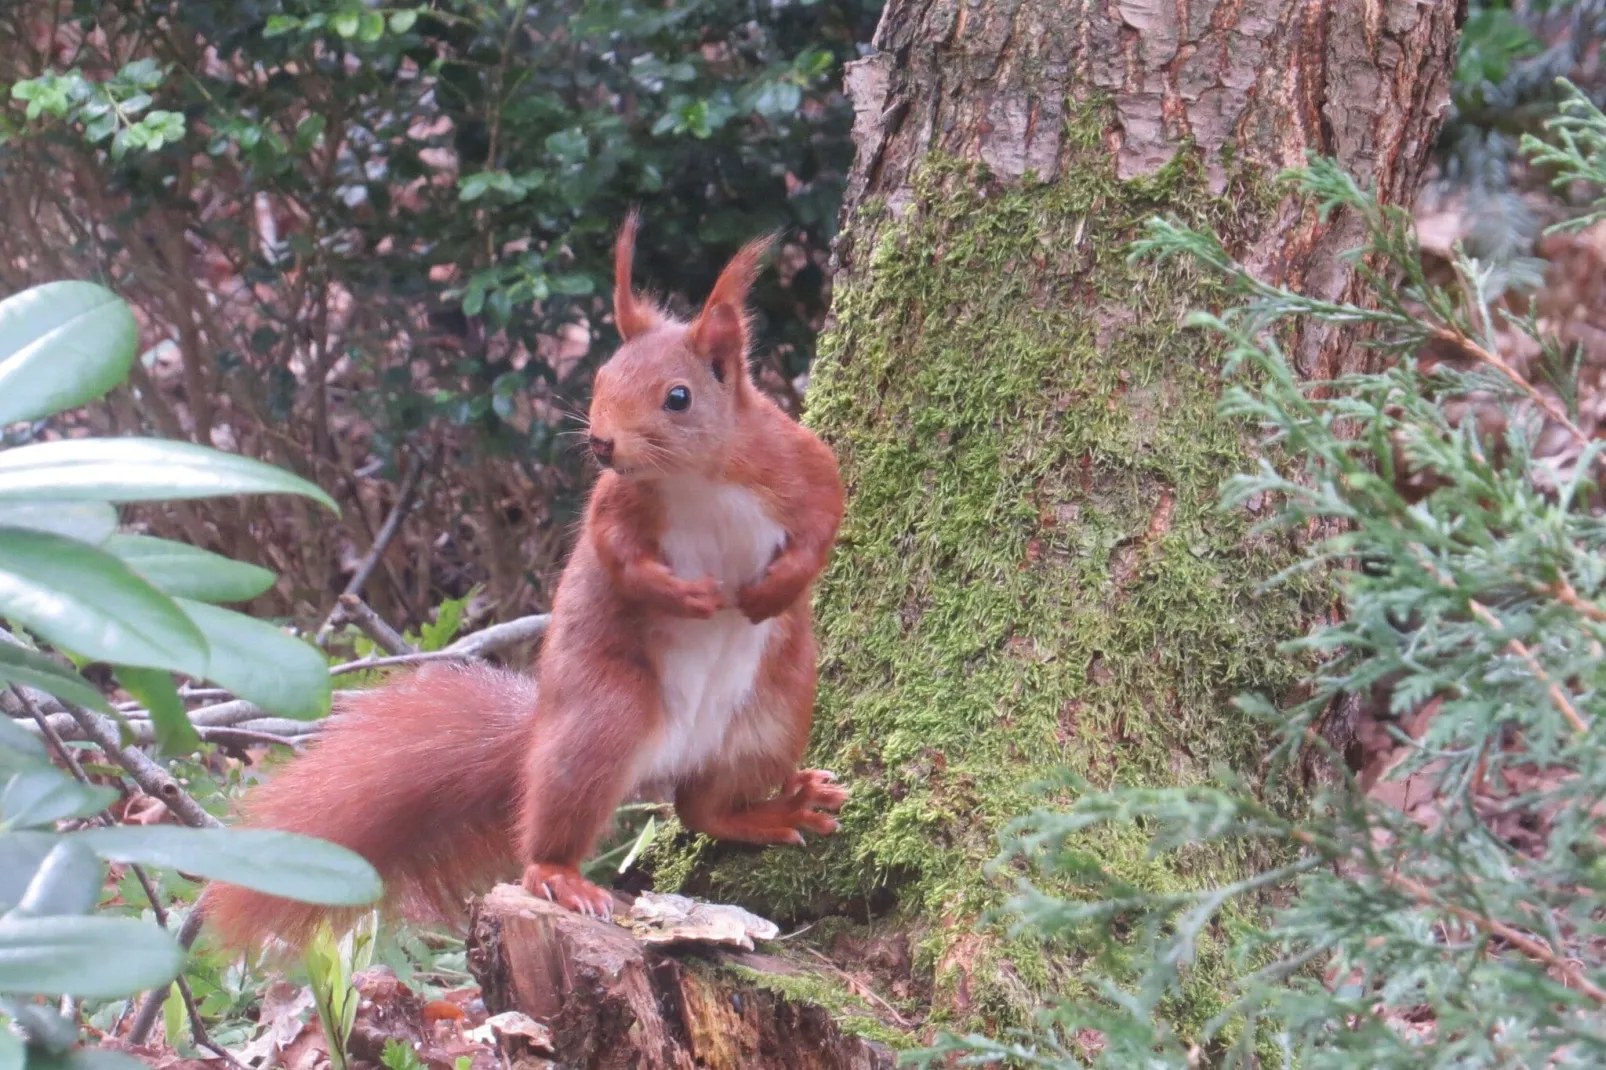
x=678 y=400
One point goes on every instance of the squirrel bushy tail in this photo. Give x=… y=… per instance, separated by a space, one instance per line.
x=420 y=777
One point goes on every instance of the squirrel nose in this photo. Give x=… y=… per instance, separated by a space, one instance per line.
x=602 y=449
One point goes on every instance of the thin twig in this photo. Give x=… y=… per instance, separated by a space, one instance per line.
x=860 y=988
x=387 y=533
x=1571 y=974
x=1497 y=362
x=1558 y=697
x=148 y=1011
x=68 y=758
x=188 y=693
x=198 y=1030
x=249 y=717
x=1567 y=595
x=152 y=778
x=241 y=737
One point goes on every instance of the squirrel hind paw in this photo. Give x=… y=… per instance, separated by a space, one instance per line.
x=564 y=886
x=814 y=789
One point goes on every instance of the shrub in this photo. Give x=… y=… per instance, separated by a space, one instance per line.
x=147 y=608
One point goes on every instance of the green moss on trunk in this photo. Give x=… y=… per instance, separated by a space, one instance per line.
x=1034 y=572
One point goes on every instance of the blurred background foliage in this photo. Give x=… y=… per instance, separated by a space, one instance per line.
x=367 y=239
x=1512 y=53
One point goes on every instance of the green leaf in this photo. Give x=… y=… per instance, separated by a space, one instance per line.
x=260 y=663
x=500 y=303
x=173 y=1013
x=276 y=863
x=438 y=633
x=101 y=127
x=80 y=599
x=66 y=883
x=145 y=73
x=398 y=1054
x=13 y=1055
x=62 y=344
x=89 y=522
x=309 y=130
x=140 y=470
x=30 y=668
x=577 y=285
x=89 y=957
x=280 y=24
x=569 y=146
x=402 y=21
x=649 y=833
x=346 y=23
x=371 y=27
x=19 y=749
x=21 y=855
x=85 y=1059
x=37 y=798
x=156 y=690
x=186 y=571
x=474 y=186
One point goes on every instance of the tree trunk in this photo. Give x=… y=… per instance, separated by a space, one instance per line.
x=1034 y=572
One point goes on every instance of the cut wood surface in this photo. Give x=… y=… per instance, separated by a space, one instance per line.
x=611 y=1000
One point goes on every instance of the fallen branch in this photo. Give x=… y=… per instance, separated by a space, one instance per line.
x=490 y=640
x=373 y=626
x=499 y=637
x=144 y=733
x=238 y=713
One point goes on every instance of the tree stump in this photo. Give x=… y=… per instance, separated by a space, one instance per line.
x=610 y=1000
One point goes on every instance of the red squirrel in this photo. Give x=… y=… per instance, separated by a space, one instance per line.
x=680 y=659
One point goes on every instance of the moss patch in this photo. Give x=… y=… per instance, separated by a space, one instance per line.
x=1033 y=572
x=851 y=1013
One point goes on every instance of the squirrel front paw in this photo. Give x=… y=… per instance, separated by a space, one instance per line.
x=700 y=599
x=768 y=597
x=564 y=886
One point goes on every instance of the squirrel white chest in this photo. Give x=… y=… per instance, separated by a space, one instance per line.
x=708 y=667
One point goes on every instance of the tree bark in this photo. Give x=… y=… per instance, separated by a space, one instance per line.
x=609 y=1002
x=1034 y=572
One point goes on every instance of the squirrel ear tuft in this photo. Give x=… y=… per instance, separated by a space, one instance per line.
x=720 y=337
x=720 y=331
x=631 y=314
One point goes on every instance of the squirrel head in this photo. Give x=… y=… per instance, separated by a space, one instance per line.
x=668 y=401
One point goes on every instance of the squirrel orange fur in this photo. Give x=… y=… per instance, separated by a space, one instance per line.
x=680 y=659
